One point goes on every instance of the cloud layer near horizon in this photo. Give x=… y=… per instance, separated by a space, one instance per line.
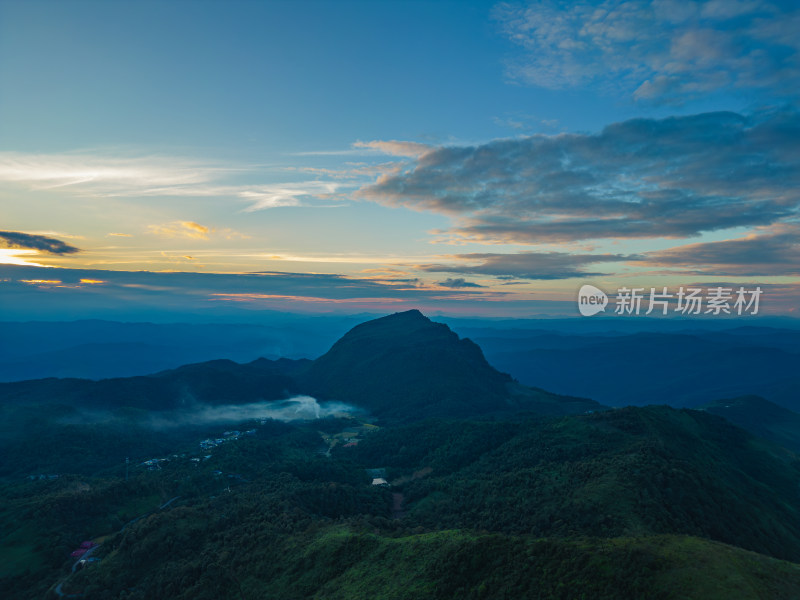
x=525 y=265
x=33 y=290
x=764 y=252
x=774 y=252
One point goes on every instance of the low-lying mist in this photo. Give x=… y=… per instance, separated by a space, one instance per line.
x=296 y=408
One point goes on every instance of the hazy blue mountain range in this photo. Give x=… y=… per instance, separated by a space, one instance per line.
x=103 y=349
x=619 y=369
x=608 y=360
x=403 y=366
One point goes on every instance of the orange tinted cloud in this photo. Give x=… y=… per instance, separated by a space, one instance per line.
x=187 y=229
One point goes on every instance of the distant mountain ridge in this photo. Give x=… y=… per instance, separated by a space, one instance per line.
x=402 y=366
x=106 y=349
x=214 y=382
x=760 y=417
x=691 y=367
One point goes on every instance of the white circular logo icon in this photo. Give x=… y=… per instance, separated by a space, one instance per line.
x=591 y=300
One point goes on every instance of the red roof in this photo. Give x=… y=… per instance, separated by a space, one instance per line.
x=79 y=552
x=88 y=545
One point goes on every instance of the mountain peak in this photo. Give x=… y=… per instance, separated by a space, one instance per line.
x=405 y=365
x=406 y=316
x=397 y=326
x=414 y=313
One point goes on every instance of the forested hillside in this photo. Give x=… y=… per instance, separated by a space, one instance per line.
x=162 y=496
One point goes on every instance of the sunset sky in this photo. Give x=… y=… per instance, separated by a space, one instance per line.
x=465 y=158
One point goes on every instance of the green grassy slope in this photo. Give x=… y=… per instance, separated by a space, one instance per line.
x=342 y=563
x=625 y=472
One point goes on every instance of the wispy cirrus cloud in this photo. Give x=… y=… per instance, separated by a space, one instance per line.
x=395 y=147
x=656 y=50
x=103 y=173
x=291 y=194
x=643 y=178
x=192 y=230
x=178 y=229
x=161 y=176
x=362 y=148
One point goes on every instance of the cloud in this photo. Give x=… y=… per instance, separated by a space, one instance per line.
x=42 y=281
x=295 y=408
x=391 y=147
x=771 y=252
x=158 y=176
x=59 y=234
x=210 y=294
x=766 y=252
x=289 y=194
x=396 y=148
x=458 y=283
x=656 y=50
x=642 y=178
x=525 y=265
x=104 y=174
x=10 y=256
x=30 y=241
x=186 y=229
x=192 y=230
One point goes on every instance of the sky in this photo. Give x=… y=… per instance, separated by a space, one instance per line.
x=465 y=158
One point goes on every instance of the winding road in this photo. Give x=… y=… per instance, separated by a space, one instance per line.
x=58 y=589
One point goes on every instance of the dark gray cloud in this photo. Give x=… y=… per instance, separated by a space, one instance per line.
x=31 y=241
x=458 y=283
x=642 y=178
x=772 y=253
x=526 y=265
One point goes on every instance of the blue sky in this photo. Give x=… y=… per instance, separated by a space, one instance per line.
x=466 y=157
